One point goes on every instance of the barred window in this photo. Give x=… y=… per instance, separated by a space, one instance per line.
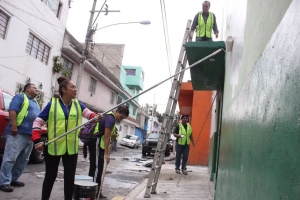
x=93 y=82
x=37 y=49
x=3 y=24
x=68 y=66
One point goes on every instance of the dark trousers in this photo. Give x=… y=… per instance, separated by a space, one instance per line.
x=184 y=151
x=202 y=39
x=85 y=146
x=100 y=164
x=92 y=149
x=52 y=163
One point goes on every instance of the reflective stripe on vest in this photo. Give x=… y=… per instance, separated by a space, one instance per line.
x=102 y=138
x=205 y=29
x=24 y=111
x=58 y=125
x=187 y=134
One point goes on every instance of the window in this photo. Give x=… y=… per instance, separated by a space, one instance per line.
x=112 y=98
x=3 y=24
x=134 y=111
x=142 y=75
x=37 y=49
x=55 y=6
x=92 y=87
x=7 y=99
x=119 y=100
x=68 y=66
x=130 y=72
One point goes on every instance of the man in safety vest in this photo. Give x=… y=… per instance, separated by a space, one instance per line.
x=183 y=133
x=106 y=127
x=23 y=110
x=204 y=22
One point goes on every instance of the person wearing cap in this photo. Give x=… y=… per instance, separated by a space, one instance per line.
x=23 y=110
x=183 y=133
x=204 y=22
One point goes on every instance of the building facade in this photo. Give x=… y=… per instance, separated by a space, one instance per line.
x=257 y=141
x=31 y=34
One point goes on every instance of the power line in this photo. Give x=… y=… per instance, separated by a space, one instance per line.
x=99 y=13
x=12 y=5
x=165 y=34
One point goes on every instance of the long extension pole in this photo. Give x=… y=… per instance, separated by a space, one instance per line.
x=199 y=61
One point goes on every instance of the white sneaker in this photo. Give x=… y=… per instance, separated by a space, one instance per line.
x=83 y=160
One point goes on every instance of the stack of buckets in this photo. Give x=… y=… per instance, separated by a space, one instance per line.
x=85 y=188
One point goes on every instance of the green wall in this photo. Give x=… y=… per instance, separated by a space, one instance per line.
x=259 y=156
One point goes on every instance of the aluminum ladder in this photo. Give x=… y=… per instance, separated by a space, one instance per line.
x=168 y=117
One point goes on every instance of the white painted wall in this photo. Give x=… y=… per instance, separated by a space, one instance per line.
x=17 y=65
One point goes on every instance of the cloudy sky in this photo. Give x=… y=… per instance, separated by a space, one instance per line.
x=144 y=44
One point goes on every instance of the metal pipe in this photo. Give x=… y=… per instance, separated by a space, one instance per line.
x=210 y=55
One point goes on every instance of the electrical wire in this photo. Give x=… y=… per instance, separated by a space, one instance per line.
x=165 y=35
x=45 y=17
x=98 y=13
x=14 y=6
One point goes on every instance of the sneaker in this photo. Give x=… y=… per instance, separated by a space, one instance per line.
x=17 y=183
x=6 y=188
x=177 y=171
x=83 y=160
x=184 y=172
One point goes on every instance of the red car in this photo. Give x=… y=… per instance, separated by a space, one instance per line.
x=5 y=99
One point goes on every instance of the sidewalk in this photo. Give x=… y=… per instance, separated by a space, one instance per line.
x=195 y=185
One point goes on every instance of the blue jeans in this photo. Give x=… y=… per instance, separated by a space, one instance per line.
x=115 y=146
x=184 y=151
x=15 y=158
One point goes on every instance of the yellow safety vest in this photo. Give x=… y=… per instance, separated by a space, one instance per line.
x=58 y=125
x=205 y=29
x=187 y=134
x=24 y=110
x=102 y=138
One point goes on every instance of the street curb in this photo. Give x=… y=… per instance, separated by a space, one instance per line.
x=137 y=190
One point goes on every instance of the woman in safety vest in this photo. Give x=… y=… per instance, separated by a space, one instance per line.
x=183 y=133
x=61 y=115
x=106 y=127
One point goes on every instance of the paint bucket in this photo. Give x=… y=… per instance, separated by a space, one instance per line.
x=83 y=178
x=85 y=190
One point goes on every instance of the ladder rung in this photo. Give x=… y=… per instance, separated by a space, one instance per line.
x=156 y=167
x=154 y=183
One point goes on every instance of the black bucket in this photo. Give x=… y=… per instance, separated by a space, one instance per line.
x=85 y=190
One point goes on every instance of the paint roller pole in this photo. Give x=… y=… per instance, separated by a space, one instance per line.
x=102 y=178
x=210 y=55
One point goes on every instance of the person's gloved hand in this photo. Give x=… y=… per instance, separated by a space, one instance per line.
x=182 y=136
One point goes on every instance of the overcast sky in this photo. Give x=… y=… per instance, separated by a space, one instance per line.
x=144 y=44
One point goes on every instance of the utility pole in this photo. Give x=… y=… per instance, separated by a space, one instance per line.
x=151 y=127
x=88 y=37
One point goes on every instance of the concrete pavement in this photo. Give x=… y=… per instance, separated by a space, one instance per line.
x=195 y=185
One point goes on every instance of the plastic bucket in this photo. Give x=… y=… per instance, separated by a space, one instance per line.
x=85 y=190
x=83 y=178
